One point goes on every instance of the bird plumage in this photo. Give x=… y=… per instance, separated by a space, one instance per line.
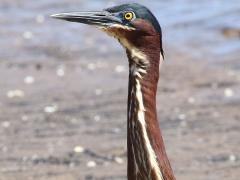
x=139 y=32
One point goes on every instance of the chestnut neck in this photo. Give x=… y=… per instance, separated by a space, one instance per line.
x=150 y=46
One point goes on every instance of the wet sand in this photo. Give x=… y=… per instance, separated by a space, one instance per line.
x=63 y=91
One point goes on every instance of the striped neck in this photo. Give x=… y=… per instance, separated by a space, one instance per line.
x=147 y=159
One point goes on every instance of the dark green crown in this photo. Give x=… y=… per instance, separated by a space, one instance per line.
x=140 y=11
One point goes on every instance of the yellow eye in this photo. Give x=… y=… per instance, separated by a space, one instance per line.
x=129 y=16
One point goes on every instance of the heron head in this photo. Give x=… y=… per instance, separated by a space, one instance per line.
x=129 y=23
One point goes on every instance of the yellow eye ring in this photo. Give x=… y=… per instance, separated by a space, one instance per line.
x=129 y=16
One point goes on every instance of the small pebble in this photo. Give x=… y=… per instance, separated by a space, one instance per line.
x=34 y=157
x=91 y=66
x=228 y=92
x=215 y=114
x=24 y=118
x=40 y=19
x=116 y=130
x=118 y=160
x=60 y=71
x=120 y=69
x=27 y=35
x=15 y=93
x=29 y=80
x=74 y=121
x=72 y=165
x=231 y=73
x=97 y=118
x=4 y=149
x=78 y=149
x=91 y=164
x=6 y=124
x=50 y=109
x=24 y=158
x=191 y=100
x=98 y=92
x=232 y=158
x=182 y=116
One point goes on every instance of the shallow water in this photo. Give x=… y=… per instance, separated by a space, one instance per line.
x=192 y=27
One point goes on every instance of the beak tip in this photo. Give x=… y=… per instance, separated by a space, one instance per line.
x=53 y=16
x=56 y=16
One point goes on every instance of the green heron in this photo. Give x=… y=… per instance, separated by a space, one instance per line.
x=139 y=32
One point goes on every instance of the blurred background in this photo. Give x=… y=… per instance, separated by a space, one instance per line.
x=63 y=91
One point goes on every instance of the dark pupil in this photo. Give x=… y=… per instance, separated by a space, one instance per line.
x=128 y=15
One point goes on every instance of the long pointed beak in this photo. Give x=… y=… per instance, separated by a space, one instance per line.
x=99 y=18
